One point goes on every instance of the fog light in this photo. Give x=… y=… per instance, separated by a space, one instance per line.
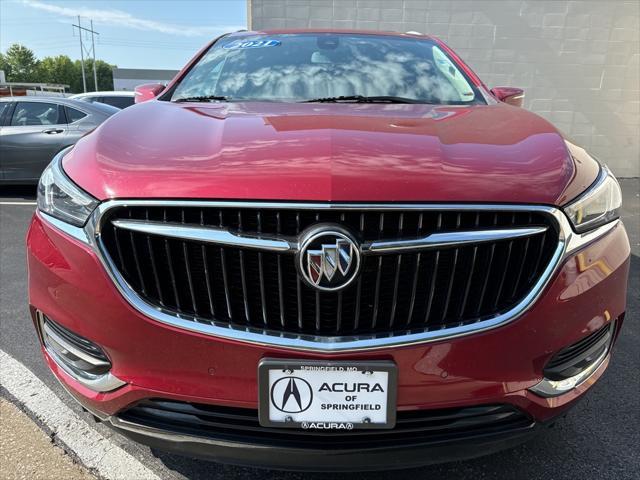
x=553 y=388
x=80 y=358
x=574 y=364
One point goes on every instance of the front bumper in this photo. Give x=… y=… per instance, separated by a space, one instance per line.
x=323 y=457
x=69 y=284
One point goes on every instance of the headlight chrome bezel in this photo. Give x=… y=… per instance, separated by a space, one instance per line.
x=598 y=205
x=60 y=198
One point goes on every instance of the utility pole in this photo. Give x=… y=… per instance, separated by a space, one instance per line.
x=93 y=50
x=85 y=50
x=84 y=80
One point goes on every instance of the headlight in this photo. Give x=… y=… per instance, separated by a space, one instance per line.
x=59 y=197
x=600 y=204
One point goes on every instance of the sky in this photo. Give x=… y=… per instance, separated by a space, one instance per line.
x=158 y=34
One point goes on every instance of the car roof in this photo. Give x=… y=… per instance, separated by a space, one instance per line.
x=69 y=102
x=106 y=93
x=38 y=98
x=283 y=31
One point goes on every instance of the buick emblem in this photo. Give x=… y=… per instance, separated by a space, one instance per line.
x=329 y=258
x=291 y=394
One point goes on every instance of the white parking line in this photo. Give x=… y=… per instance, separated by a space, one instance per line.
x=18 y=203
x=94 y=450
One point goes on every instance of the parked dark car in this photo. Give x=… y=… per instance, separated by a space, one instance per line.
x=118 y=99
x=34 y=129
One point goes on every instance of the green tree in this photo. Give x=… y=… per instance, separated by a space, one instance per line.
x=4 y=66
x=59 y=69
x=21 y=64
x=103 y=72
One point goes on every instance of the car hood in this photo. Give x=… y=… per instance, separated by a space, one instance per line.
x=328 y=152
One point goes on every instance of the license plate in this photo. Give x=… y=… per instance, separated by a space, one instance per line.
x=327 y=395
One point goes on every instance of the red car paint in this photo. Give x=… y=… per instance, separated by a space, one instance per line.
x=67 y=281
x=329 y=152
x=491 y=153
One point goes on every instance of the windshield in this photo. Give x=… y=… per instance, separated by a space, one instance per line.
x=324 y=67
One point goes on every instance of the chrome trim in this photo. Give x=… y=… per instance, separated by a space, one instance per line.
x=568 y=243
x=449 y=239
x=78 y=233
x=550 y=388
x=97 y=383
x=221 y=236
x=65 y=345
x=577 y=241
x=218 y=236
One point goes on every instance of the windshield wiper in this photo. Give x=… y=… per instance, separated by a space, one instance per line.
x=363 y=99
x=203 y=98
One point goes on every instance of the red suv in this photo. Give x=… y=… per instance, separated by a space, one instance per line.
x=327 y=251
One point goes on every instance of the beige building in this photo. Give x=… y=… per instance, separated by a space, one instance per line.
x=578 y=60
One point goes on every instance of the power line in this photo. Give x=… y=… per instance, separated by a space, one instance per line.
x=86 y=50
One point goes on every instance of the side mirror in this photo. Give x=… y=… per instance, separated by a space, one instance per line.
x=147 y=91
x=511 y=95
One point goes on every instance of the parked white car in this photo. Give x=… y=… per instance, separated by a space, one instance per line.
x=118 y=99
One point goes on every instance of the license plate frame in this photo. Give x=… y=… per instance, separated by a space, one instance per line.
x=348 y=367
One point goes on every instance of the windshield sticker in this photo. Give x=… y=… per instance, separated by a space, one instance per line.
x=239 y=44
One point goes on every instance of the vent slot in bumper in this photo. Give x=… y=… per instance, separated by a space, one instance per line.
x=577 y=357
x=242 y=426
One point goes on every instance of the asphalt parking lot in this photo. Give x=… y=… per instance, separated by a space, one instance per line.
x=598 y=439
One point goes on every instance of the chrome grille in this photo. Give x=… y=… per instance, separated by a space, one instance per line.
x=431 y=289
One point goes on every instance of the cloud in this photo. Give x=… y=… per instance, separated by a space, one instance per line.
x=120 y=18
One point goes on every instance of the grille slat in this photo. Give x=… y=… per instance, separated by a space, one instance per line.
x=356 y=320
x=434 y=273
x=122 y=264
x=134 y=250
x=185 y=254
x=431 y=289
x=225 y=276
x=299 y=281
x=243 y=278
x=452 y=278
x=396 y=282
x=154 y=267
x=503 y=276
x=263 y=298
x=376 y=303
x=505 y=270
x=485 y=283
x=207 y=275
x=470 y=273
x=416 y=272
x=525 y=253
x=539 y=256
x=172 y=275
x=280 y=284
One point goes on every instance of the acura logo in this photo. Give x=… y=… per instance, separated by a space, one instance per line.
x=291 y=394
x=329 y=258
